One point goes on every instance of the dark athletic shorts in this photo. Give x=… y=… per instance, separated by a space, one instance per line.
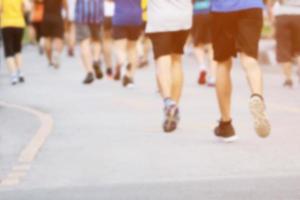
x=287 y=37
x=85 y=31
x=201 y=30
x=127 y=32
x=38 y=29
x=12 y=39
x=166 y=43
x=53 y=28
x=107 y=24
x=235 y=32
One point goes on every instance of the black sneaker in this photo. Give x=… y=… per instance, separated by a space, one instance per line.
x=117 y=75
x=288 y=83
x=109 y=72
x=21 y=79
x=225 y=132
x=97 y=69
x=171 y=118
x=89 y=78
x=127 y=82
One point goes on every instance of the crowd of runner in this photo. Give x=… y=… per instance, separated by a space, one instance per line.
x=116 y=36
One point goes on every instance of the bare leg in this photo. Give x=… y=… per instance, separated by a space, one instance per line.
x=254 y=74
x=11 y=63
x=48 y=49
x=164 y=75
x=199 y=52
x=287 y=70
x=212 y=62
x=85 y=47
x=18 y=61
x=177 y=77
x=107 y=48
x=132 y=57
x=224 y=89
x=96 y=50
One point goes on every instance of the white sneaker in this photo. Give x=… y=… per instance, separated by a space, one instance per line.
x=258 y=111
x=14 y=79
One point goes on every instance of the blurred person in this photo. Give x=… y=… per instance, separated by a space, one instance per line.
x=286 y=17
x=107 y=43
x=144 y=41
x=12 y=29
x=36 y=22
x=89 y=17
x=127 y=27
x=53 y=29
x=168 y=27
x=237 y=27
x=70 y=28
x=201 y=34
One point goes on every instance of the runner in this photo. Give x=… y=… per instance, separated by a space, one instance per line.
x=201 y=33
x=127 y=26
x=70 y=28
x=109 y=8
x=12 y=28
x=168 y=28
x=53 y=29
x=287 y=22
x=237 y=25
x=89 y=16
x=36 y=22
x=144 y=42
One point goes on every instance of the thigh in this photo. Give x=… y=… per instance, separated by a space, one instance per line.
x=296 y=35
x=95 y=31
x=119 y=32
x=18 y=36
x=178 y=41
x=283 y=39
x=162 y=43
x=7 y=41
x=134 y=32
x=250 y=24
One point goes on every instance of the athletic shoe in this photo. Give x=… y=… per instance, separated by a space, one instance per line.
x=143 y=63
x=56 y=60
x=225 y=132
x=89 y=78
x=202 y=78
x=258 y=111
x=71 y=52
x=117 y=75
x=98 y=71
x=21 y=79
x=127 y=81
x=109 y=72
x=288 y=83
x=14 y=79
x=211 y=83
x=171 y=118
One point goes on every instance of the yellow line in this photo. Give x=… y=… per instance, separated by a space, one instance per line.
x=31 y=150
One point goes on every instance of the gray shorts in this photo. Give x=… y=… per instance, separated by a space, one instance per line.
x=86 y=31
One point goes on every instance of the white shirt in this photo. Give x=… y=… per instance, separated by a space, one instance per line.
x=288 y=7
x=169 y=15
x=109 y=8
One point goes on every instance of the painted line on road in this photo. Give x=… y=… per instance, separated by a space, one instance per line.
x=30 y=152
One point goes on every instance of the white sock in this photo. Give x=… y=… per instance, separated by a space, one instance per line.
x=202 y=68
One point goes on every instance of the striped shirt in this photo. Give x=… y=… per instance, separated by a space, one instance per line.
x=89 y=11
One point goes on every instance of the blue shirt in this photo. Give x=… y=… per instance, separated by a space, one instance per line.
x=235 y=5
x=202 y=6
x=89 y=11
x=127 y=13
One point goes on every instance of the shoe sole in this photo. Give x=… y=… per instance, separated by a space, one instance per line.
x=228 y=139
x=261 y=122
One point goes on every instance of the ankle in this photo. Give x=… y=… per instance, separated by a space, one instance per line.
x=257 y=95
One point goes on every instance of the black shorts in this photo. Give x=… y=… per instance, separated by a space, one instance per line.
x=201 y=30
x=127 y=32
x=38 y=29
x=12 y=39
x=53 y=28
x=235 y=32
x=287 y=37
x=166 y=43
x=107 y=24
